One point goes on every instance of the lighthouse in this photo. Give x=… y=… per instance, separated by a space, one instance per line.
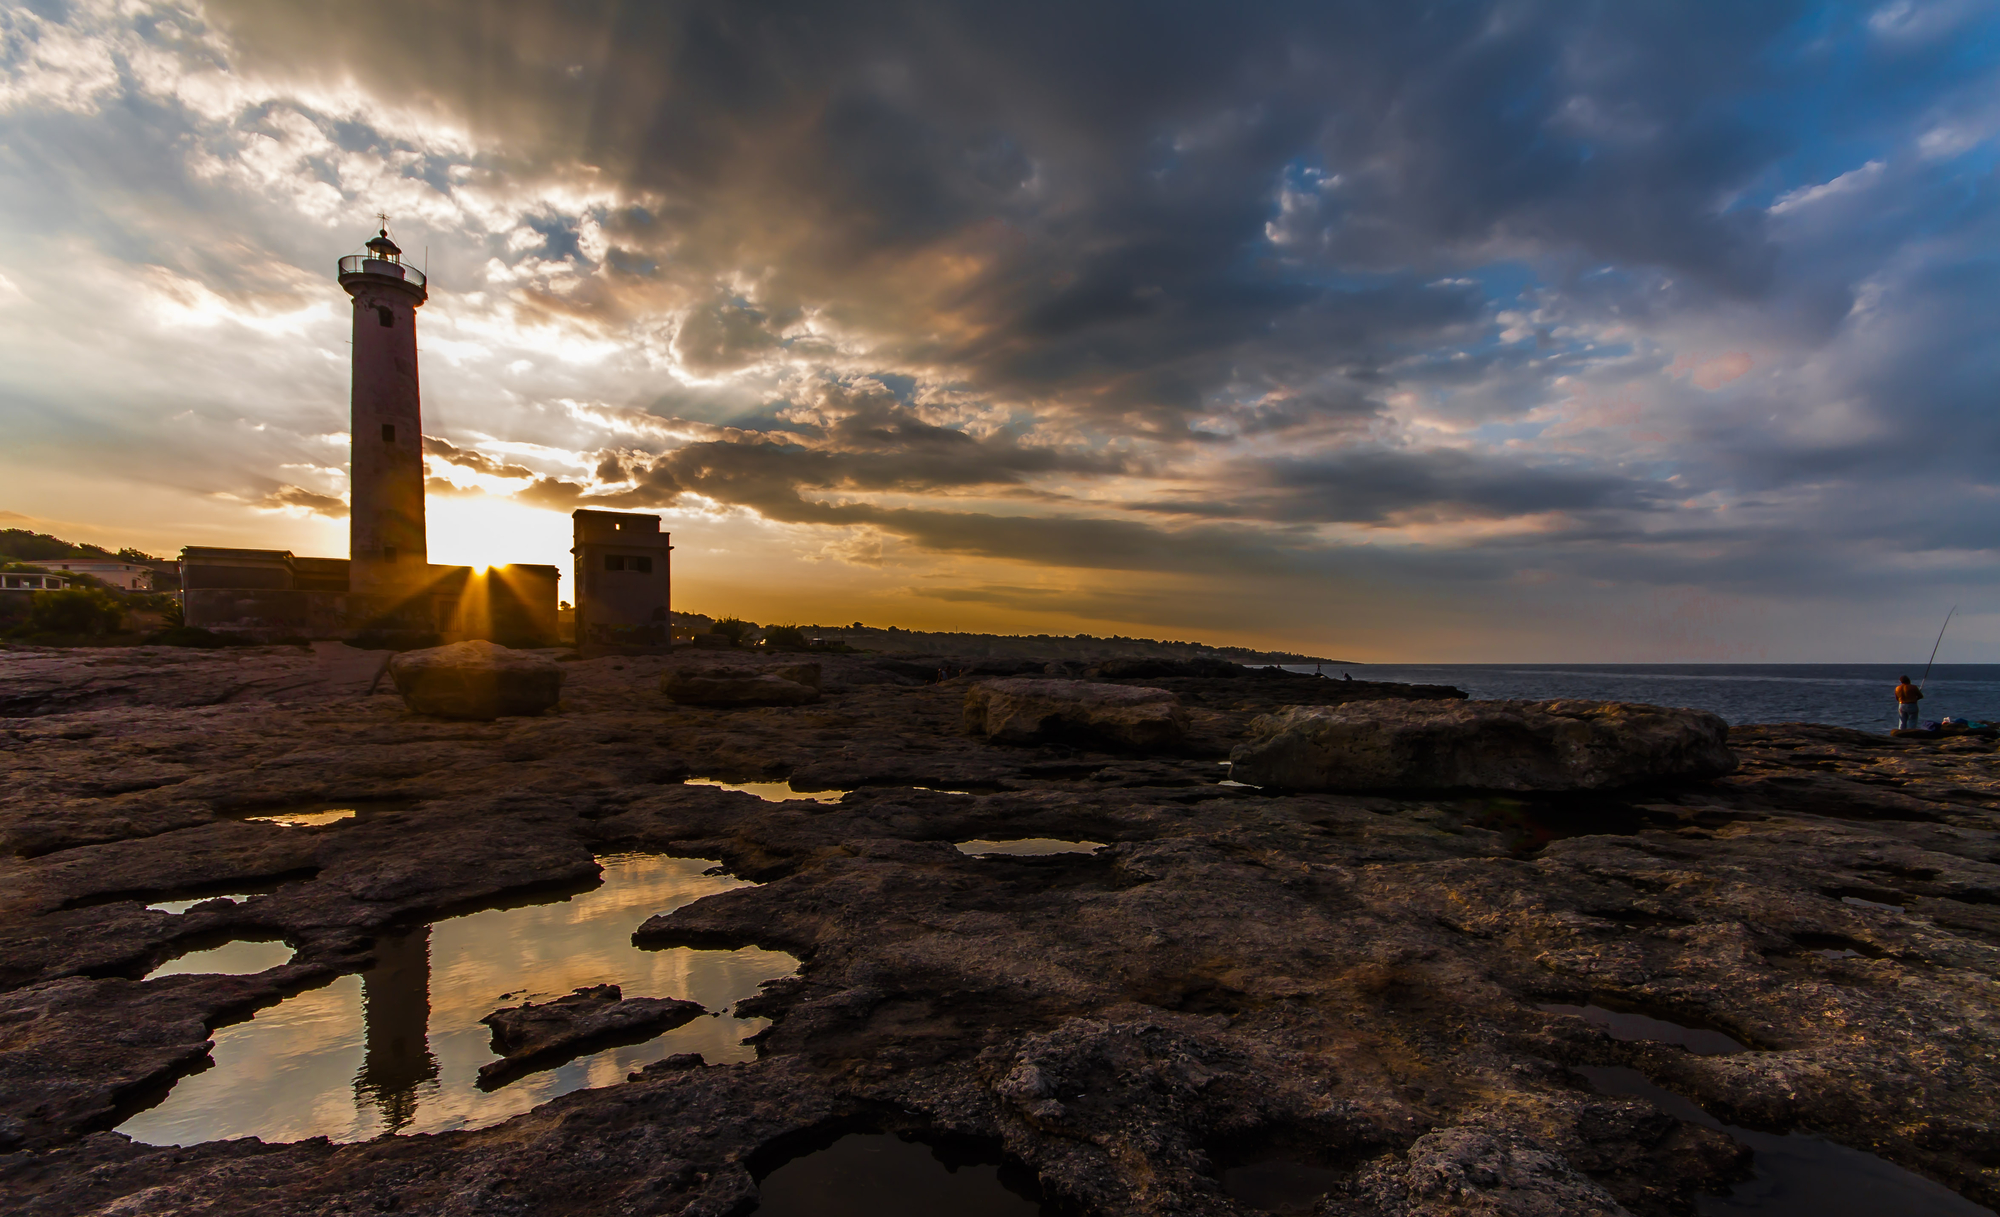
x=386 y=545
x=385 y=592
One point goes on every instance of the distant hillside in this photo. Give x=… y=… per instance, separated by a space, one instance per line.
x=20 y=545
x=893 y=640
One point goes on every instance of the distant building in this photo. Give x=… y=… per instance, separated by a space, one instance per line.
x=33 y=583
x=125 y=576
x=387 y=588
x=624 y=578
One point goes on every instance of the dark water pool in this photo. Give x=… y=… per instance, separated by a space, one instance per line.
x=1627 y=1024
x=1799 y=1174
x=1288 y=1189
x=398 y=1047
x=880 y=1175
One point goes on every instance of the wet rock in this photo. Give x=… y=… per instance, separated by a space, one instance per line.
x=537 y=1036
x=1488 y=745
x=1465 y=1172
x=794 y=684
x=1143 y=669
x=678 y=1062
x=1029 y=711
x=477 y=680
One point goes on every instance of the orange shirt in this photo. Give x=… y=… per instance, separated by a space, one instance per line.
x=1907 y=694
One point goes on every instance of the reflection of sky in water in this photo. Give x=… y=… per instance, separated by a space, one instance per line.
x=381 y=1052
x=771 y=792
x=182 y=906
x=239 y=958
x=1030 y=847
x=305 y=819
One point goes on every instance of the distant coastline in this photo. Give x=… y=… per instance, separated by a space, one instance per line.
x=892 y=640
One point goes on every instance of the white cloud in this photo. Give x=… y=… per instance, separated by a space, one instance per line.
x=1852 y=182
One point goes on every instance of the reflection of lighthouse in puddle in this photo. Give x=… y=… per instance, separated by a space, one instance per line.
x=396 y=1009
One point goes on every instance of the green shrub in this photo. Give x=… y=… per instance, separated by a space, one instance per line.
x=75 y=610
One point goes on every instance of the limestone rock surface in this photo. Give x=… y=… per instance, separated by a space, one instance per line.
x=1029 y=711
x=531 y=1035
x=1487 y=745
x=1353 y=983
x=795 y=684
x=477 y=680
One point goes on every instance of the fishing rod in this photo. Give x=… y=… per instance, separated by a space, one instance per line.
x=1934 y=648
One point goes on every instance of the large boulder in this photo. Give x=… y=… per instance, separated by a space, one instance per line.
x=534 y=1036
x=1488 y=745
x=476 y=680
x=1027 y=711
x=792 y=684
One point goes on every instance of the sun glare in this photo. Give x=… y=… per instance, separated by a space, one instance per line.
x=494 y=532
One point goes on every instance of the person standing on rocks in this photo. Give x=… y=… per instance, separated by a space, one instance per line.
x=1907 y=697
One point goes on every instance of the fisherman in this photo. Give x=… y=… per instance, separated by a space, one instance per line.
x=1907 y=697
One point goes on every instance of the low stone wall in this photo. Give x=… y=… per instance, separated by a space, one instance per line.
x=267 y=613
x=515 y=616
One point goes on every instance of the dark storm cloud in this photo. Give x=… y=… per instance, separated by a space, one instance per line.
x=1362 y=487
x=1104 y=174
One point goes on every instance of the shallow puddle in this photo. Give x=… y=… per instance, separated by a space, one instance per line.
x=1030 y=847
x=243 y=957
x=313 y=815
x=398 y=1047
x=1632 y=1025
x=1798 y=1174
x=182 y=906
x=878 y=1175
x=1285 y=1188
x=772 y=792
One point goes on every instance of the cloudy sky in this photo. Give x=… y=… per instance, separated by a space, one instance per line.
x=1401 y=330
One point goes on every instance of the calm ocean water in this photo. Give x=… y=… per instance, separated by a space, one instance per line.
x=1847 y=695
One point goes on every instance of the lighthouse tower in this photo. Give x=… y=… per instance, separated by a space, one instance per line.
x=386 y=546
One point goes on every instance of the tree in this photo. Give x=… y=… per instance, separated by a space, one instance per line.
x=733 y=628
x=75 y=610
x=23 y=545
x=785 y=638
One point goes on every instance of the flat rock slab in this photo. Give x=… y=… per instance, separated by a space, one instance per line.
x=1029 y=711
x=537 y=1036
x=478 y=680
x=1485 y=745
x=795 y=684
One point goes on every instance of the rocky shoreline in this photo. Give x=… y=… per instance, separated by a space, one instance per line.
x=1348 y=982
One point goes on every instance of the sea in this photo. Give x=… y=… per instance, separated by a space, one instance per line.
x=1858 y=695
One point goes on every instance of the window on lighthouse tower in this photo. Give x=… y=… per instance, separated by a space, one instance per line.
x=387 y=318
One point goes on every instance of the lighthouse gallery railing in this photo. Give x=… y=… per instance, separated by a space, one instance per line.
x=363 y=264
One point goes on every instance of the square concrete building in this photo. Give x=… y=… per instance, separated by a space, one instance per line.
x=624 y=578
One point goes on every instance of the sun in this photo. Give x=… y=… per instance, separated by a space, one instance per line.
x=485 y=531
